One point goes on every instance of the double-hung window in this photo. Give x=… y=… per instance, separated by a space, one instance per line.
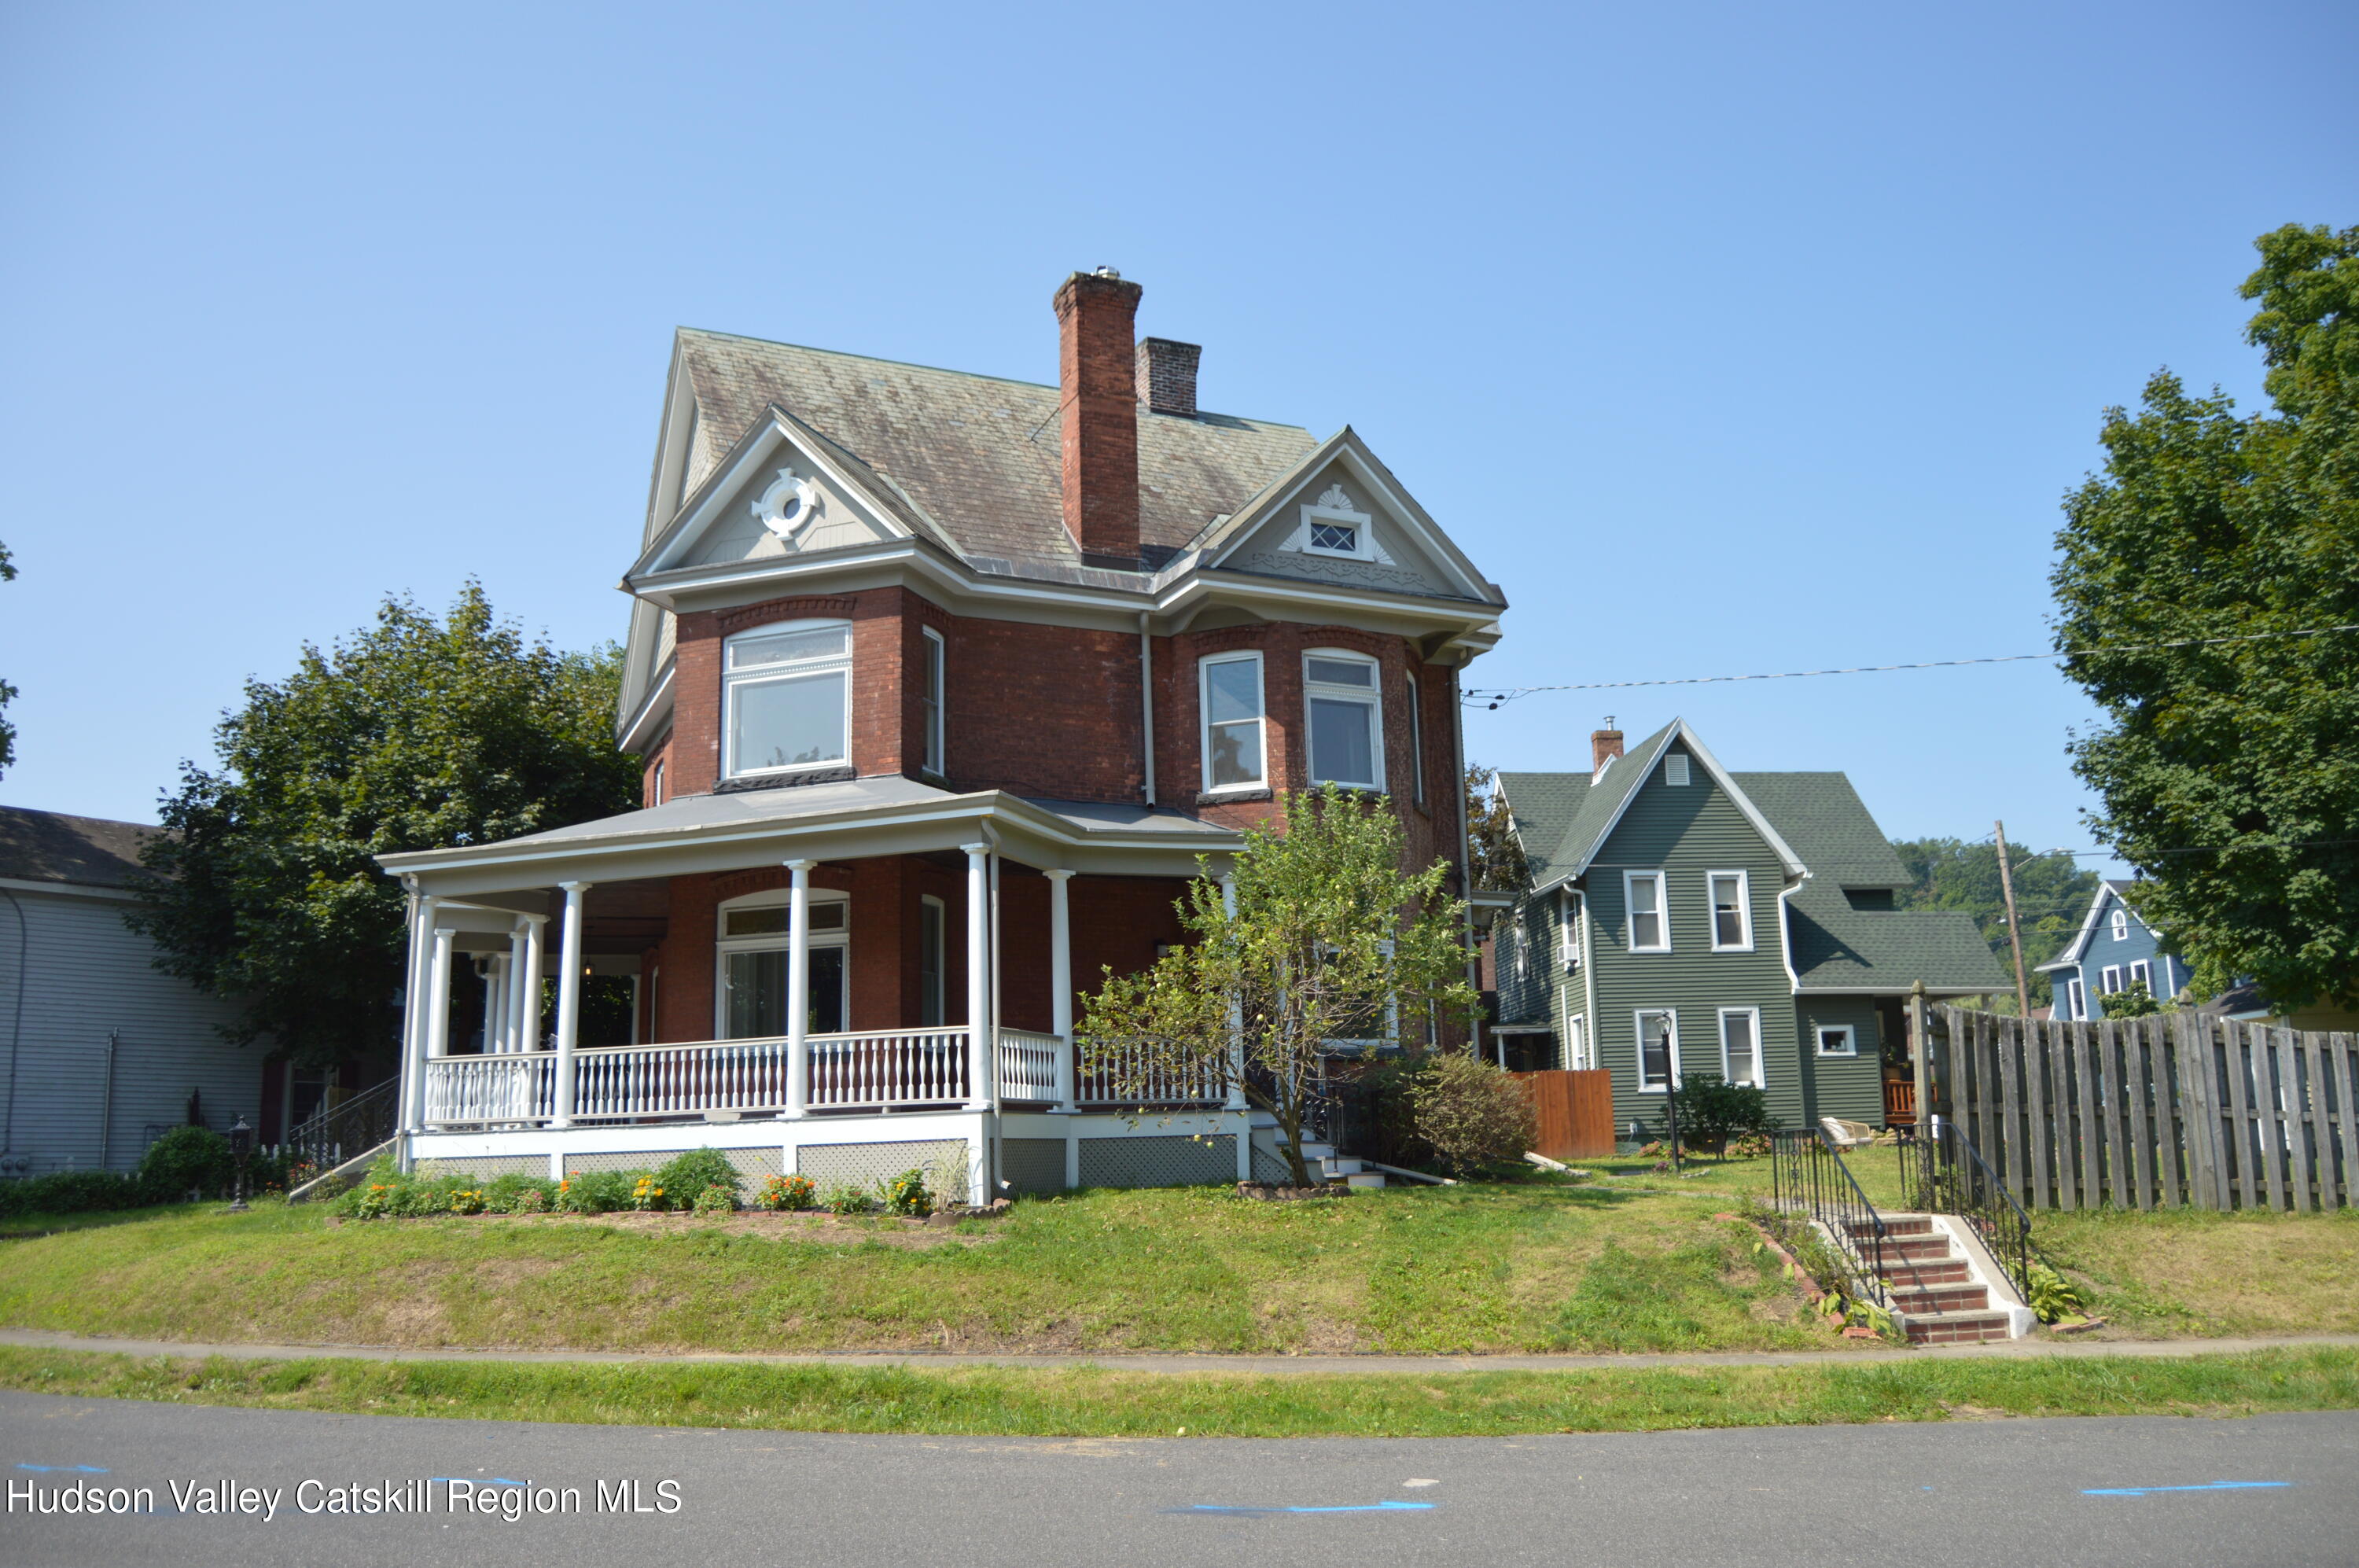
x=1740 y=1045
x=931 y=698
x=754 y=950
x=2142 y=974
x=1659 y=1050
x=1416 y=745
x=1344 y=715
x=2109 y=979
x=1732 y=913
x=933 y=992
x=1576 y=1044
x=1651 y=922
x=2076 y=1001
x=1229 y=696
x=787 y=697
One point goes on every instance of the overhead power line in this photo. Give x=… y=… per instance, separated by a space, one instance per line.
x=1493 y=696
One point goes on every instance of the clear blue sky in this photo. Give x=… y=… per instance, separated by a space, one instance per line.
x=1726 y=338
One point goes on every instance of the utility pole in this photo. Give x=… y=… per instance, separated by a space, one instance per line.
x=2014 y=926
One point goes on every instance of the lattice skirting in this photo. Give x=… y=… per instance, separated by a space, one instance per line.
x=753 y=1164
x=1033 y=1164
x=486 y=1165
x=1175 y=1161
x=943 y=1159
x=1270 y=1166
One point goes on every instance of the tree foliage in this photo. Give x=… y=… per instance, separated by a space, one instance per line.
x=2051 y=896
x=1473 y=1114
x=412 y=734
x=1495 y=861
x=2229 y=773
x=1331 y=941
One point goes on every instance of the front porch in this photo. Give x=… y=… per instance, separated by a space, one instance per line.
x=885 y=975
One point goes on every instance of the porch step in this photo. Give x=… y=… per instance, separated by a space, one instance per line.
x=1932 y=1248
x=1917 y=1272
x=1941 y=1299
x=1898 y=1224
x=1364 y=1178
x=1314 y=1152
x=1957 y=1328
x=1339 y=1165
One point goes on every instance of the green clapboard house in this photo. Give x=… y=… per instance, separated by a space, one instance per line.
x=1682 y=918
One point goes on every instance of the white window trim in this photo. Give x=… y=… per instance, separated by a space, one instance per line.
x=656 y=784
x=1371 y=695
x=2109 y=980
x=1639 y=1039
x=778 y=941
x=1676 y=772
x=1630 y=909
x=1334 y=506
x=2120 y=925
x=1204 y=720
x=936 y=705
x=1818 y=1033
x=926 y=903
x=2146 y=979
x=1568 y=929
x=1576 y=1042
x=733 y=681
x=1760 y=1066
x=1743 y=910
x=2076 y=999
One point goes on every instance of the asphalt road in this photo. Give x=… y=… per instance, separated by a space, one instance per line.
x=2066 y=1491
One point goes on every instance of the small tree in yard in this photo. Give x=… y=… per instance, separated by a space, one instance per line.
x=1330 y=941
x=1475 y=1114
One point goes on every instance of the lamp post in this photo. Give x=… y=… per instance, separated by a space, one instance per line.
x=241 y=1151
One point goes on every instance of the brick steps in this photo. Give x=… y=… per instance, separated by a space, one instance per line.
x=1932 y=1286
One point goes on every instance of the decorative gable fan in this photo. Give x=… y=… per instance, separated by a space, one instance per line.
x=1332 y=526
x=788 y=506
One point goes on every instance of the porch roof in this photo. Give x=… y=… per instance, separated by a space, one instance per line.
x=848 y=819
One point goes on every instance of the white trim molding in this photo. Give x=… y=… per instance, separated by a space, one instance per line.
x=1206 y=723
x=1818 y=1033
x=1712 y=881
x=1369 y=696
x=789 y=506
x=1662 y=911
x=1752 y=1016
x=1670 y=1017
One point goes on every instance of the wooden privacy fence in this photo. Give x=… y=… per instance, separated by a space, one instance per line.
x=2166 y=1111
x=1576 y=1113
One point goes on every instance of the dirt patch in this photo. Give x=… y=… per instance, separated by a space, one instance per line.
x=834 y=1230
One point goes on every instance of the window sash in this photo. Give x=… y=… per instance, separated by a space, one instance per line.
x=1648 y=922
x=2120 y=925
x=932 y=699
x=2109 y=979
x=787 y=699
x=1234 y=755
x=2076 y=999
x=1659 y=1050
x=1343 y=718
x=2142 y=974
x=933 y=992
x=1732 y=911
x=1416 y=745
x=1740 y=1045
x=1846 y=1043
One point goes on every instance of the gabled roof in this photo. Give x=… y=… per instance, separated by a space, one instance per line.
x=980 y=455
x=1604 y=801
x=1834 y=947
x=1827 y=823
x=2110 y=889
x=49 y=846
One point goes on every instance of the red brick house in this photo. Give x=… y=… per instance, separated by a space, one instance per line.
x=943 y=684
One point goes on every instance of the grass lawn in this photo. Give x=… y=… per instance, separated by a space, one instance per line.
x=1088 y=1402
x=1625 y=1262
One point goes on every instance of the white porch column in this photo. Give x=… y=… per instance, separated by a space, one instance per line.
x=568 y=1000
x=798 y=985
x=521 y=978
x=496 y=1004
x=1061 y=982
x=413 y=1013
x=528 y=1033
x=438 y=1003
x=1236 y=1101
x=979 y=1052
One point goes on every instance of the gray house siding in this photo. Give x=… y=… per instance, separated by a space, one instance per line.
x=80 y=972
x=1850 y=1087
x=1688 y=832
x=1527 y=962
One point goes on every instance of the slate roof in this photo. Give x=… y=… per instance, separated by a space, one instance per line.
x=1832 y=946
x=980 y=455
x=49 y=846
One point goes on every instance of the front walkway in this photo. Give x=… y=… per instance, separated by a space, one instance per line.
x=42 y=1339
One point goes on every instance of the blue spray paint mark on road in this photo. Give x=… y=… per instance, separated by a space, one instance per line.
x=1345 y=1508
x=53 y=1469
x=2207 y=1486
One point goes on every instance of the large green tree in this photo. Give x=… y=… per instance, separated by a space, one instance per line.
x=2229 y=772
x=1330 y=941
x=412 y=734
x=2051 y=896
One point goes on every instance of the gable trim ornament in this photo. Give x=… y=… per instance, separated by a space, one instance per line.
x=789 y=506
x=1333 y=527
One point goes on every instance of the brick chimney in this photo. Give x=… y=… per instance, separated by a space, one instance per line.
x=1604 y=745
x=1166 y=376
x=1097 y=381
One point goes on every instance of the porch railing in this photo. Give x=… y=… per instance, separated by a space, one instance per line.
x=1807 y=1176
x=1943 y=1175
x=491 y=1089
x=1027 y=1065
x=888 y=1067
x=1123 y=1074
x=674 y=1080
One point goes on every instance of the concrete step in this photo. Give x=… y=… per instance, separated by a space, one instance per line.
x=1314 y=1152
x=1939 y=1300
x=1895 y=1224
x=1364 y=1178
x=1340 y=1165
x=1957 y=1328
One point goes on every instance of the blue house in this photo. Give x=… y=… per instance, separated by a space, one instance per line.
x=2113 y=951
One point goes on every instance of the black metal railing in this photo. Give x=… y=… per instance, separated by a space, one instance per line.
x=1947 y=1175
x=1807 y=1176
x=339 y=1132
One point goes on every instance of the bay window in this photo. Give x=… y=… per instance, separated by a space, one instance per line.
x=1230 y=699
x=1343 y=714
x=786 y=698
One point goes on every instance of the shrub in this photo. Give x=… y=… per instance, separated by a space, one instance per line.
x=787 y=1193
x=466 y=1200
x=846 y=1199
x=2052 y=1296
x=71 y=1193
x=907 y=1194
x=186 y=1160
x=509 y=1194
x=691 y=1173
x=533 y=1201
x=1475 y=1116
x=598 y=1192
x=1711 y=1112
x=716 y=1199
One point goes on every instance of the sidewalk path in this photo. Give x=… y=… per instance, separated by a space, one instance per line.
x=1296 y=1366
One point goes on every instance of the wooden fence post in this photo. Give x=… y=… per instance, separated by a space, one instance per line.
x=2345 y=1082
